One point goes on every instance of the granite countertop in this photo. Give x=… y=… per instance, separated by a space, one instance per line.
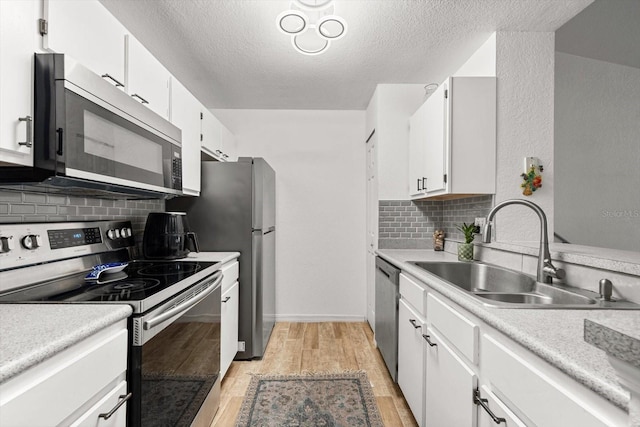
x=619 y=338
x=32 y=333
x=555 y=335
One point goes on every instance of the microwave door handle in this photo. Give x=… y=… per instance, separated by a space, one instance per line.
x=181 y=308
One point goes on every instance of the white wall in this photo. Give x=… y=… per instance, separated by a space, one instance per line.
x=525 y=72
x=319 y=159
x=482 y=63
x=597 y=128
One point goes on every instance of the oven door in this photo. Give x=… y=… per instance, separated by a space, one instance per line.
x=175 y=359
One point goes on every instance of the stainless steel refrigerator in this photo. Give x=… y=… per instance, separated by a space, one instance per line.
x=236 y=212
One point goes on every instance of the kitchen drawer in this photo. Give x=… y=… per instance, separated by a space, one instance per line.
x=459 y=330
x=533 y=394
x=414 y=293
x=61 y=385
x=230 y=275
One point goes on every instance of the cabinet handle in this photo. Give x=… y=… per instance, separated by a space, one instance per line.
x=226 y=299
x=413 y=322
x=225 y=156
x=427 y=338
x=59 y=150
x=123 y=398
x=424 y=186
x=108 y=76
x=29 y=141
x=142 y=100
x=418 y=185
x=218 y=151
x=483 y=402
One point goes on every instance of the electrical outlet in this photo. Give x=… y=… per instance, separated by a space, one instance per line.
x=480 y=222
x=241 y=346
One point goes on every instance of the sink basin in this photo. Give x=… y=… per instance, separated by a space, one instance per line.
x=472 y=276
x=500 y=287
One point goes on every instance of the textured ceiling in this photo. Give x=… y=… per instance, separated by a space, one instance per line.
x=230 y=54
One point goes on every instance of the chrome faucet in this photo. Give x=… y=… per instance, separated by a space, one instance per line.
x=546 y=272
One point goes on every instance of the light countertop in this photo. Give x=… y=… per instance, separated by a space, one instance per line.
x=555 y=335
x=32 y=333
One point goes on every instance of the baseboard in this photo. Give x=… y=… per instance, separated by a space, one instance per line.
x=319 y=318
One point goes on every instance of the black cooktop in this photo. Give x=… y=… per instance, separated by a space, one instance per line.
x=137 y=282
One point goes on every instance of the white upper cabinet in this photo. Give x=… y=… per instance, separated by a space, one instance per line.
x=185 y=114
x=87 y=32
x=18 y=42
x=211 y=134
x=146 y=79
x=452 y=147
x=229 y=145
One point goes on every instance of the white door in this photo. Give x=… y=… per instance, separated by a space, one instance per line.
x=18 y=40
x=450 y=385
x=211 y=134
x=417 y=150
x=147 y=80
x=411 y=374
x=436 y=132
x=86 y=31
x=185 y=114
x=229 y=327
x=372 y=225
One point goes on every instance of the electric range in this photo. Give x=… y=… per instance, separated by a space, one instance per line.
x=174 y=331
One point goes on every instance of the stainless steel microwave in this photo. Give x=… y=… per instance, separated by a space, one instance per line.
x=91 y=138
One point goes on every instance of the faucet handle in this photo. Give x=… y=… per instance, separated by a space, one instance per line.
x=606 y=289
x=551 y=271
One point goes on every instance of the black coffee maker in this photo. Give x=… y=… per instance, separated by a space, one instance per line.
x=167 y=236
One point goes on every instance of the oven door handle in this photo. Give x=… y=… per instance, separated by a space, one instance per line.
x=182 y=307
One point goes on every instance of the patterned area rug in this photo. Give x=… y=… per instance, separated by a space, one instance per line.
x=318 y=400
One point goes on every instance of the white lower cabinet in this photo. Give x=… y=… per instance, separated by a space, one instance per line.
x=473 y=375
x=410 y=359
x=449 y=386
x=229 y=332
x=73 y=387
x=229 y=315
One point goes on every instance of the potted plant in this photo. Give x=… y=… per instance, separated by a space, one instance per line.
x=465 y=250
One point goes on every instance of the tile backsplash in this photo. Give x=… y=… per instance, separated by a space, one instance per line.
x=21 y=206
x=407 y=224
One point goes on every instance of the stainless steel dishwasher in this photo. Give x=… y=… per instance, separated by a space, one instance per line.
x=386 y=317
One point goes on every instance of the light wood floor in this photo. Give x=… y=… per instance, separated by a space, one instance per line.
x=319 y=347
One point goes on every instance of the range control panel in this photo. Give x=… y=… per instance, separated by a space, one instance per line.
x=32 y=243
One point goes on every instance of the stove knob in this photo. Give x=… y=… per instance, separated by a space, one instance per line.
x=117 y=231
x=6 y=244
x=125 y=232
x=31 y=241
x=111 y=234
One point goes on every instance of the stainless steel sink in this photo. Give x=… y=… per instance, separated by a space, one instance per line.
x=500 y=287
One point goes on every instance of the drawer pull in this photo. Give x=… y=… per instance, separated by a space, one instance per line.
x=427 y=338
x=226 y=299
x=142 y=100
x=29 y=141
x=483 y=402
x=123 y=398
x=413 y=322
x=107 y=76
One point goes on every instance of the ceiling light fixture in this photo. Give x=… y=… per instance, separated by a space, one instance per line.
x=312 y=25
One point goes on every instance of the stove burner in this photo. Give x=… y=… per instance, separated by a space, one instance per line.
x=127 y=286
x=169 y=269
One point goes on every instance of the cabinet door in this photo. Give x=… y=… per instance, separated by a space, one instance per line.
x=147 y=80
x=499 y=410
x=410 y=359
x=229 y=332
x=435 y=138
x=86 y=31
x=449 y=387
x=211 y=134
x=185 y=114
x=417 y=163
x=229 y=146
x=18 y=39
